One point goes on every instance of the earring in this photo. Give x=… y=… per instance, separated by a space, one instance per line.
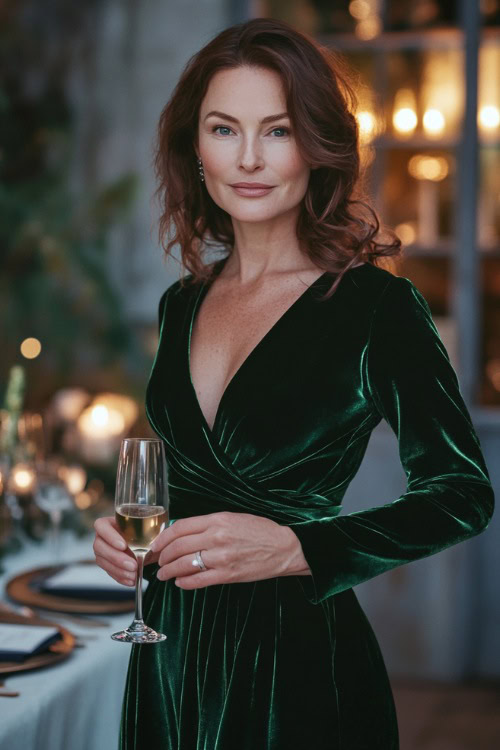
x=200 y=170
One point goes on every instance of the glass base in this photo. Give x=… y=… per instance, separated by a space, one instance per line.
x=138 y=633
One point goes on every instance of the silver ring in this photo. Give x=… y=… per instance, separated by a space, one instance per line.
x=198 y=562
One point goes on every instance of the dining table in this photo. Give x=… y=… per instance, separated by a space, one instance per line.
x=74 y=704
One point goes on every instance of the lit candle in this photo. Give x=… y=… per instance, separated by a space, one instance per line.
x=22 y=479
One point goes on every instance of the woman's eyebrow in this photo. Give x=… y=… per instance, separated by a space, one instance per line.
x=269 y=118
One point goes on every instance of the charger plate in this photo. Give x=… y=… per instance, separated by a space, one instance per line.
x=23 y=589
x=55 y=653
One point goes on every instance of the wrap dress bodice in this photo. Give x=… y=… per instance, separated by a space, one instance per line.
x=292 y=662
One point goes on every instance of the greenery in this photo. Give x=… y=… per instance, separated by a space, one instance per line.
x=54 y=283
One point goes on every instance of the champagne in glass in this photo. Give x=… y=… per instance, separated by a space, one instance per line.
x=141 y=512
x=140 y=525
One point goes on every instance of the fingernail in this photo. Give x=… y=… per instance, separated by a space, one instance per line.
x=130 y=565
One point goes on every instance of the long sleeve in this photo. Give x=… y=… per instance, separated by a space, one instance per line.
x=410 y=383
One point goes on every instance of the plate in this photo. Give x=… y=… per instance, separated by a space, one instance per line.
x=23 y=589
x=55 y=653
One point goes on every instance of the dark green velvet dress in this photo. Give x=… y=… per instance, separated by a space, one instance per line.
x=292 y=662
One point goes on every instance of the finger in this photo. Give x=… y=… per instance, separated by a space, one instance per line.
x=201 y=580
x=108 y=529
x=184 y=527
x=182 y=546
x=120 y=575
x=120 y=559
x=182 y=566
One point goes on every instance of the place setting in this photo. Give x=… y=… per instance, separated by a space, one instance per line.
x=31 y=632
x=31 y=642
x=50 y=497
x=79 y=592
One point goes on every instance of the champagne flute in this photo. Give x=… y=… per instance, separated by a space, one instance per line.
x=141 y=512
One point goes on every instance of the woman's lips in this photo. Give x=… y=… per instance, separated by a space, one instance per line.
x=251 y=192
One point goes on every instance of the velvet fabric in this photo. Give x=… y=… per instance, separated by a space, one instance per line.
x=292 y=662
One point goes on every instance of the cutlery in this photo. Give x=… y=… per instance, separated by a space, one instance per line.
x=8 y=693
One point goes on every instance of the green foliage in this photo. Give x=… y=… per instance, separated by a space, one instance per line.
x=54 y=282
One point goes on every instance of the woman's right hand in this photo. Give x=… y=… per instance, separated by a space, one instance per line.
x=112 y=553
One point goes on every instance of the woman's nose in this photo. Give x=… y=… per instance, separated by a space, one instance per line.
x=251 y=154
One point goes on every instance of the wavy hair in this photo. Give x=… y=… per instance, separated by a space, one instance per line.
x=336 y=226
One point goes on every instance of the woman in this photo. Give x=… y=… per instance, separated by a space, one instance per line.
x=274 y=365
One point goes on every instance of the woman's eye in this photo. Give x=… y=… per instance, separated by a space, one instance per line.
x=220 y=127
x=285 y=130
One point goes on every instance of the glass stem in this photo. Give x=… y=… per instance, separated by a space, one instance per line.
x=138 y=586
x=55 y=517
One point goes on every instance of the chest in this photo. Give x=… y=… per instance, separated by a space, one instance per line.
x=226 y=331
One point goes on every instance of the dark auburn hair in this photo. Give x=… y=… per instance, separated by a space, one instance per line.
x=332 y=228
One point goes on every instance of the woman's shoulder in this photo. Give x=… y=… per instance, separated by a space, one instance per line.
x=398 y=314
x=178 y=293
x=377 y=285
x=180 y=290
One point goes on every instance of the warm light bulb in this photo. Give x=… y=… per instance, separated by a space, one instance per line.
x=433 y=122
x=30 y=348
x=368 y=28
x=359 y=9
x=126 y=406
x=489 y=117
x=405 y=120
x=422 y=167
x=99 y=415
x=22 y=478
x=98 y=421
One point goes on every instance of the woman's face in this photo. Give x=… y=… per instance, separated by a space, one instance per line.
x=237 y=145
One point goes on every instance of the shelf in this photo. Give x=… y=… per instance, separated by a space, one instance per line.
x=432 y=39
x=445 y=249
x=415 y=142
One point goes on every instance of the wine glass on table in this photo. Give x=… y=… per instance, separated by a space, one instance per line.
x=141 y=512
x=52 y=496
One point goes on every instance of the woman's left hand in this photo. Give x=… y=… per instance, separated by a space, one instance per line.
x=235 y=547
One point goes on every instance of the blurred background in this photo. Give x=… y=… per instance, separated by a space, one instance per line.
x=81 y=90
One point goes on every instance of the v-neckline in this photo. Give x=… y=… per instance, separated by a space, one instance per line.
x=199 y=297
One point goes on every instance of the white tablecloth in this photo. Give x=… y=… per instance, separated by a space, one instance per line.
x=76 y=704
